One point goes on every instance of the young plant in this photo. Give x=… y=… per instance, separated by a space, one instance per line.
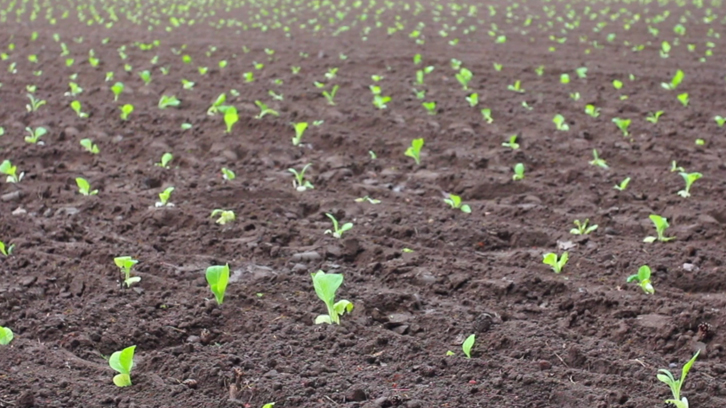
x=230 y=117
x=300 y=129
x=164 y=197
x=683 y=98
x=516 y=87
x=560 y=123
x=473 y=99
x=653 y=117
x=299 y=182
x=720 y=120
x=486 y=113
x=34 y=135
x=84 y=187
x=125 y=263
x=145 y=76
x=228 y=174
x=592 y=111
x=468 y=344
x=338 y=230
x=117 y=88
x=661 y=224
x=218 y=278
x=34 y=104
x=6 y=336
x=90 y=146
x=126 y=111
x=582 y=228
x=217 y=104
x=188 y=85
x=225 y=216
x=581 y=72
x=512 y=143
x=455 y=202
x=556 y=264
x=623 y=125
x=518 y=172
x=676 y=385
x=430 y=107
x=597 y=161
x=623 y=184
x=166 y=158
x=326 y=284
x=6 y=250
x=167 y=101
x=330 y=96
x=75 y=90
x=381 y=102
x=367 y=198
x=264 y=110
x=414 y=151
x=689 y=178
x=7 y=168
x=677 y=79
x=122 y=362
x=643 y=279
x=76 y=106
x=464 y=76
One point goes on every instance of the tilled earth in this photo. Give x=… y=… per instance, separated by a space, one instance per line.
x=583 y=338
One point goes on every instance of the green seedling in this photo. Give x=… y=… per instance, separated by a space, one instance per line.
x=518 y=172
x=675 y=167
x=676 y=385
x=6 y=250
x=230 y=117
x=214 y=109
x=430 y=107
x=203 y=70
x=556 y=264
x=295 y=69
x=225 y=216
x=700 y=142
x=300 y=129
x=653 y=117
x=326 y=284
x=597 y=161
x=145 y=76
x=299 y=182
x=516 y=87
x=414 y=151
x=330 y=96
x=125 y=263
x=498 y=67
x=455 y=64
x=76 y=106
x=677 y=79
x=84 y=187
x=337 y=230
x=75 y=90
x=109 y=77
x=720 y=120
x=592 y=111
x=623 y=184
x=623 y=125
x=269 y=405
x=7 y=168
x=186 y=126
x=512 y=143
x=560 y=123
x=464 y=76
x=264 y=110
x=164 y=198
x=525 y=105
x=31 y=88
x=381 y=102
x=188 y=85
x=276 y=96
x=6 y=336
x=689 y=178
x=581 y=72
x=218 y=278
x=539 y=70
x=643 y=279
x=331 y=74
x=228 y=174
x=249 y=76
x=419 y=94
x=34 y=135
x=166 y=158
x=455 y=202
x=367 y=198
x=661 y=224
x=473 y=99
x=122 y=362
x=617 y=84
x=467 y=345
x=486 y=113
x=683 y=99
x=34 y=104
x=167 y=101
x=117 y=88
x=575 y=96
x=582 y=228
x=564 y=78
x=126 y=111
x=90 y=146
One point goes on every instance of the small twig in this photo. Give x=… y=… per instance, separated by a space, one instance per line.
x=563 y=361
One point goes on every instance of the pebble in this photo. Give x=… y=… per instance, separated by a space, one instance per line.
x=356 y=393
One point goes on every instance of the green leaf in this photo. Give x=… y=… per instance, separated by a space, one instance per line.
x=6 y=336
x=122 y=380
x=218 y=278
x=122 y=362
x=326 y=284
x=468 y=344
x=323 y=319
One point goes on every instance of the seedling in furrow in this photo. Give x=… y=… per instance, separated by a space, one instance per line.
x=75 y=90
x=597 y=161
x=455 y=202
x=556 y=263
x=582 y=228
x=326 y=284
x=464 y=76
x=330 y=96
x=430 y=107
x=167 y=101
x=230 y=117
x=683 y=99
x=216 y=104
x=122 y=362
x=473 y=99
x=368 y=199
x=661 y=224
x=299 y=182
x=512 y=143
x=166 y=158
x=623 y=125
x=677 y=79
x=560 y=123
x=467 y=345
x=623 y=184
x=300 y=128
x=518 y=172
x=76 y=106
x=188 y=85
x=34 y=104
x=592 y=111
x=6 y=250
x=145 y=76
x=117 y=88
x=164 y=197
x=84 y=187
x=225 y=216
x=486 y=113
x=218 y=278
x=125 y=263
x=6 y=336
x=89 y=146
x=337 y=230
x=126 y=111
x=654 y=116
x=676 y=385
x=34 y=135
x=720 y=120
x=7 y=168
x=414 y=151
x=516 y=87
x=264 y=110
x=675 y=167
x=689 y=178
x=642 y=278
x=575 y=96
x=228 y=174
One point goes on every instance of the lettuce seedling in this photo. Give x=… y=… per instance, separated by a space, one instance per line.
x=498 y=67
x=381 y=102
x=34 y=104
x=473 y=99
x=145 y=76
x=653 y=117
x=643 y=279
x=218 y=278
x=689 y=178
x=90 y=146
x=167 y=101
x=661 y=224
x=34 y=135
x=122 y=362
x=166 y=158
x=617 y=84
x=338 y=230
x=186 y=126
x=591 y=110
x=430 y=107
x=518 y=172
x=560 y=123
x=126 y=111
x=564 y=78
x=76 y=106
x=539 y=70
x=84 y=187
x=7 y=168
x=249 y=76
x=225 y=216
x=582 y=228
x=230 y=117
x=228 y=174
x=464 y=77
x=468 y=344
x=125 y=263
x=367 y=198
x=75 y=90
x=299 y=182
x=326 y=284
x=276 y=96
x=623 y=125
x=512 y=143
x=6 y=336
x=677 y=79
x=597 y=161
x=575 y=96
x=676 y=385
x=581 y=72
x=720 y=120
x=330 y=96
x=414 y=151
x=164 y=198
x=486 y=113
x=516 y=87
x=556 y=264
x=188 y=85
x=683 y=98
x=455 y=202
x=623 y=184
x=300 y=129
x=295 y=69
x=264 y=110
x=6 y=250
x=455 y=64
x=221 y=99
x=117 y=88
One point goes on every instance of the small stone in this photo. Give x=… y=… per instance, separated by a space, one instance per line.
x=194 y=339
x=689 y=267
x=19 y=211
x=12 y=196
x=544 y=365
x=306 y=256
x=356 y=393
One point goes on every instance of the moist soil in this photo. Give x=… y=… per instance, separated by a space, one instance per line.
x=422 y=276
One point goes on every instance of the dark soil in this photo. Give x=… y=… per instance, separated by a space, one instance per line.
x=583 y=338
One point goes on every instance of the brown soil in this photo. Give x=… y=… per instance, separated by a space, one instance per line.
x=583 y=338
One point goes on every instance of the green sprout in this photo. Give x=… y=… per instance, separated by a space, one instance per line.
x=700 y=142
x=6 y=250
x=228 y=174
x=414 y=151
x=84 y=187
x=582 y=227
x=275 y=96
x=689 y=178
x=202 y=70
x=218 y=278
x=34 y=104
x=720 y=120
x=525 y=105
x=167 y=101
x=326 y=284
x=90 y=146
x=468 y=344
x=109 y=77
x=516 y=87
x=564 y=78
x=623 y=125
x=186 y=126
x=221 y=99
x=518 y=172
x=117 y=88
x=126 y=111
x=430 y=107
x=164 y=198
x=330 y=96
x=7 y=168
x=617 y=84
x=683 y=98
x=337 y=230
x=125 y=263
x=539 y=70
x=623 y=184
x=299 y=182
x=230 y=117
x=380 y=102
x=75 y=90
x=122 y=362
x=34 y=135
x=653 y=117
x=643 y=279
x=76 y=106
x=464 y=76
x=225 y=216
x=6 y=336
x=676 y=385
x=486 y=113
x=145 y=76
x=556 y=264
x=661 y=224
x=300 y=128
x=188 y=85
x=264 y=110
x=592 y=111
x=367 y=198
x=166 y=158
x=597 y=161
x=512 y=143
x=675 y=167
x=473 y=99
x=455 y=202
x=295 y=69
x=575 y=96
x=249 y=76
x=677 y=79
x=581 y=72
x=560 y=123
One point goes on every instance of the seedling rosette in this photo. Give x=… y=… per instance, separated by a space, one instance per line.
x=218 y=278
x=661 y=224
x=642 y=278
x=455 y=202
x=337 y=230
x=676 y=385
x=326 y=284
x=556 y=263
x=122 y=362
x=6 y=336
x=125 y=263
x=414 y=151
x=468 y=344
